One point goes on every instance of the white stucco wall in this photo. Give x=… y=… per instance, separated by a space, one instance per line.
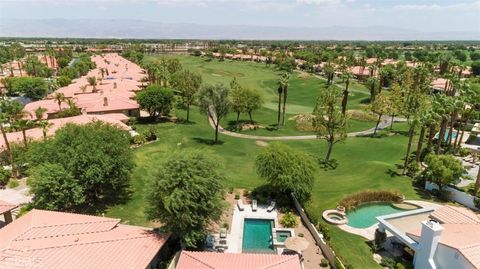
x=447 y=258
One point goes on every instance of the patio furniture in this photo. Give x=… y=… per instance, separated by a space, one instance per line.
x=271 y=207
x=240 y=205
x=254 y=205
x=209 y=241
x=223 y=233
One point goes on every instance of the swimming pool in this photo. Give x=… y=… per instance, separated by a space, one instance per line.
x=364 y=216
x=283 y=235
x=257 y=236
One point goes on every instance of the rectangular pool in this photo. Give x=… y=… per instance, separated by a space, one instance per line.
x=257 y=236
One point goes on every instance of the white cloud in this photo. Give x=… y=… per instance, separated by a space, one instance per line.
x=318 y=2
x=436 y=7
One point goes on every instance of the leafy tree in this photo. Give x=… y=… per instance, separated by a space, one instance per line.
x=32 y=87
x=373 y=85
x=329 y=121
x=36 y=68
x=476 y=68
x=55 y=189
x=238 y=98
x=97 y=155
x=442 y=169
x=475 y=55
x=156 y=100
x=215 y=103
x=4 y=177
x=380 y=106
x=186 y=84
x=253 y=101
x=287 y=170
x=186 y=195
x=63 y=81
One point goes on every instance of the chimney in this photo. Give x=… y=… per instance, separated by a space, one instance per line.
x=105 y=101
x=428 y=243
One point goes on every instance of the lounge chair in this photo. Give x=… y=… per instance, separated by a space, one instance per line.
x=254 y=205
x=240 y=205
x=271 y=207
x=223 y=233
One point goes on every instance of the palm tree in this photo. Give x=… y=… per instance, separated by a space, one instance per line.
x=44 y=125
x=59 y=98
x=93 y=82
x=347 y=76
x=280 y=92
x=23 y=125
x=329 y=71
x=285 y=82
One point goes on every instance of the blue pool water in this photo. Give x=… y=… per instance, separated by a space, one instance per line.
x=364 y=216
x=257 y=236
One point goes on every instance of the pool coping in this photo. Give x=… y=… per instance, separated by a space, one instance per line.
x=369 y=232
x=236 y=239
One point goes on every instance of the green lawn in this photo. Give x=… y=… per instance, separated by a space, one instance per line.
x=302 y=94
x=364 y=163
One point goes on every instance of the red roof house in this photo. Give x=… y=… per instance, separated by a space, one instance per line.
x=49 y=239
x=216 y=260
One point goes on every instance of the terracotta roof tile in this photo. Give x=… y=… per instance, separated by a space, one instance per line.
x=48 y=239
x=214 y=260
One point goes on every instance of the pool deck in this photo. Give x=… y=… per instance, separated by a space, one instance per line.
x=236 y=233
x=369 y=232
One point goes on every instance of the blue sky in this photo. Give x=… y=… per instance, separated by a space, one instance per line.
x=423 y=15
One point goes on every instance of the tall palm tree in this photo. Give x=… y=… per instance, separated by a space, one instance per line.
x=347 y=76
x=280 y=93
x=285 y=83
x=329 y=71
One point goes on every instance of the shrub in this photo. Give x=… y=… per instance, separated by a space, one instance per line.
x=225 y=225
x=301 y=235
x=13 y=183
x=324 y=263
x=323 y=228
x=139 y=139
x=399 y=266
x=69 y=112
x=388 y=262
x=463 y=152
x=246 y=193
x=289 y=220
x=237 y=196
x=150 y=134
x=476 y=202
x=4 y=177
x=352 y=201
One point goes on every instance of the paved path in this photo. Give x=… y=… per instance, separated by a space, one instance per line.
x=386 y=121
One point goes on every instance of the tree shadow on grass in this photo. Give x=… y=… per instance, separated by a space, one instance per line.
x=184 y=121
x=332 y=164
x=209 y=142
x=365 y=101
x=392 y=173
x=272 y=127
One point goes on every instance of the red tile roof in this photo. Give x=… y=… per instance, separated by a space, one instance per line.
x=215 y=260
x=6 y=206
x=49 y=239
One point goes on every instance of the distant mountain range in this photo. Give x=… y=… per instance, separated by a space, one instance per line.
x=126 y=28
